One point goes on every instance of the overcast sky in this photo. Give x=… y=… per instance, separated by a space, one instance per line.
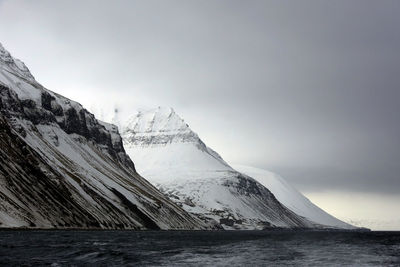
x=308 y=89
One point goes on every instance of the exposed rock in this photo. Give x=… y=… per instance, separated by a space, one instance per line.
x=62 y=168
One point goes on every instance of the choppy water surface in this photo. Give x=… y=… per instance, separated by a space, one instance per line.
x=257 y=248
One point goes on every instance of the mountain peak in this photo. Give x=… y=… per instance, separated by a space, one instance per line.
x=158 y=126
x=14 y=65
x=162 y=129
x=161 y=119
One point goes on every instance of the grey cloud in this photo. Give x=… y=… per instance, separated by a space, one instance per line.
x=309 y=89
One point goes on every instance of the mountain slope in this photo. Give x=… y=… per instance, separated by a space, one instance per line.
x=173 y=158
x=291 y=198
x=61 y=167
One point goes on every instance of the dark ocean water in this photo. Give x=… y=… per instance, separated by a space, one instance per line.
x=193 y=248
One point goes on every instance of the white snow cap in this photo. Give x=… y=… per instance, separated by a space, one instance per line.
x=160 y=120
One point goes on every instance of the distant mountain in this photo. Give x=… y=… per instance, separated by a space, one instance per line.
x=172 y=157
x=60 y=167
x=291 y=198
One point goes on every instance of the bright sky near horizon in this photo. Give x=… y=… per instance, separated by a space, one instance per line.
x=307 y=89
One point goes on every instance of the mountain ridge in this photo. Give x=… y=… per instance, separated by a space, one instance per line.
x=291 y=197
x=73 y=156
x=197 y=178
x=205 y=182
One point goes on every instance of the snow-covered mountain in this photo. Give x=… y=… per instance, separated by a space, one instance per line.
x=62 y=168
x=171 y=156
x=291 y=198
x=168 y=153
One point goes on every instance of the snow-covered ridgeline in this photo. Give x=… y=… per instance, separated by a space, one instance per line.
x=200 y=181
x=61 y=167
x=291 y=197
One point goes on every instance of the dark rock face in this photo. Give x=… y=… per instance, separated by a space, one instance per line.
x=46 y=101
x=62 y=168
x=84 y=123
x=35 y=114
x=36 y=193
x=145 y=220
x=226 y=221
x=71 y=120
x=247 y=186
x=43 y=193
x=49 y=103
x=19 y=168
x=9 y=102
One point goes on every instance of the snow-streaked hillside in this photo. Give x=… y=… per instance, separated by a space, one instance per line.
x=171 y=156
x=292 y=198
x=62 y=168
